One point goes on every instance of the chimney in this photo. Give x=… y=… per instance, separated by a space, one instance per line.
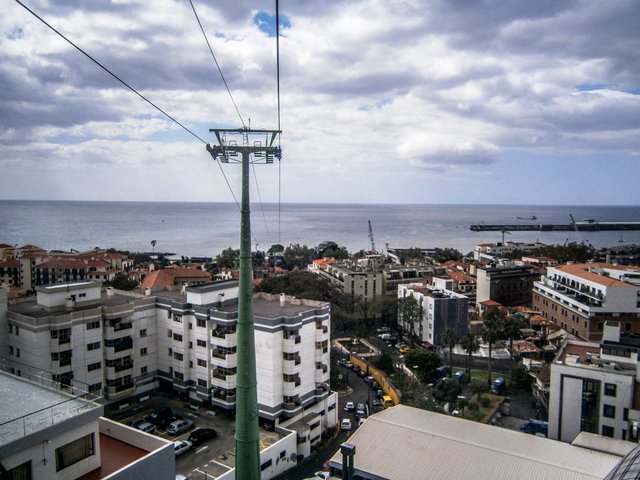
x=283 y=299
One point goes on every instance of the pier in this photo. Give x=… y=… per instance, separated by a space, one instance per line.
x=588 y=226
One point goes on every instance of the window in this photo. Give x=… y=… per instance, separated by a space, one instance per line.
x=92 y=325
x=177 y=318
x=143 y=332
x=96 y=387
x=609 y=411
x=144 y=370
x=17 y=352
x=178 y=356
x=10 y=350
x=201 y=343
x=610 y=389
x=178 y=375
x=607 y=431
x=143 y=352
x=74 y=452
x=170 y=352
x=55 y=356
x=177 y=337
x=200 y=322
x=93 y=346
x=21 y=472
x=10 y=328
x=191 y=345
x=169 y=333
x=202 y=383
x=202 y=363
x=94 y=366
x=18 y=330
x=265 y=465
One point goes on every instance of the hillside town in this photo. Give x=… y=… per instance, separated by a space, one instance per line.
x=532 y=339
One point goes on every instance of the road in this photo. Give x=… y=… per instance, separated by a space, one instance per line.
x=361 y=393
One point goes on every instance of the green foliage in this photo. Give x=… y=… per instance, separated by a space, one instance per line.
x=474 y=407
x=300 y=284
x=122 y=282
x=409 y=315
x=276 y=248
x=298 y=256
x=444 y=254
x=446 y=390
x=571 y=252
x=409 y=253
x=484 y=401
x=384 y=362
x=387 y=308
x=521 y=379
x=478 y=388
x=228 y=258
x=426 y=361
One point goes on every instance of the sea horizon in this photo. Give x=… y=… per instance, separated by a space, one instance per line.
x=204 y=229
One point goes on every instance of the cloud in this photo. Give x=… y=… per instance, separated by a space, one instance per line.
x=446 y=151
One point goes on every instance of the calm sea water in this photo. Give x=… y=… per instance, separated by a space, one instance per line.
x=205 y=229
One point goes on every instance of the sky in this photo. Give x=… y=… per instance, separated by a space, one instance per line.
x=381 y=101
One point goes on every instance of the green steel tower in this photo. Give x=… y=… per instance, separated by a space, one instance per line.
x=248 y=151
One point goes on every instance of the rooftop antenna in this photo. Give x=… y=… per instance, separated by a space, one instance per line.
x=230 y=150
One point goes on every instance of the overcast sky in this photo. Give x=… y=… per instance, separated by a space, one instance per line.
x=389 y=101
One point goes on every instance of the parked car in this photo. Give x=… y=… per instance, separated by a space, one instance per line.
x=345 y=424
x=361 y=410
x=404 y=349
x=136 y=422
x=178 y=426
x=535 y=427
x=146 y=427
x=498 y=386
x=201 y=435
x=376 y=406
x=181 y=447
x=161 y=417
x=349 y=407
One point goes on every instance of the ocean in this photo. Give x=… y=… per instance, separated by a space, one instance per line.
x=205 y=229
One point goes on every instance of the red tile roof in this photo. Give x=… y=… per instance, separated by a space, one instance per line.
x=173 y=276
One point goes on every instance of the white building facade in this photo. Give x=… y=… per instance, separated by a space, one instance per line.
x=438 y=310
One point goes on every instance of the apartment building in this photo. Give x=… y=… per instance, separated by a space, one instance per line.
x=197 y=345
x=580 y=298
x=106 y=340
x=508 y=285
x=438 y=310
x=595 y=387
x=493 y=251
x=359 y=281
x=57 y=432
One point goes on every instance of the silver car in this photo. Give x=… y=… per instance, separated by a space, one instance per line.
x=178 y=426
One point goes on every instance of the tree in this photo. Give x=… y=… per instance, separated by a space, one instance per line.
x=511 y=328
x=426 y=363
x=121 y=281
x=228 y=258
x=387 y=308
x=450 y=339
x=470 y=345
x=492 y=329
x=446 y=390
x=384 y=362
x=443 y=254
x=409 y=313
x=521 y=380
x=298 y=256
x=153 y=245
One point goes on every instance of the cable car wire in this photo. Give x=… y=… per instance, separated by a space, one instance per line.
x=216 y=62
x=110 y=72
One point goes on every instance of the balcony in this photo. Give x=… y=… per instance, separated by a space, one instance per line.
x=225 y=340
x=111 y=392
x=230 y=360
x=291 y=344
x=289 y=367
x=222 y=380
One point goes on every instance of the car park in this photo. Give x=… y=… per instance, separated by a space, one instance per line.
x=181 y=447
x=201 y=435
x=178 y=426
x=345 y=424
x=146 y=427
x=349 y=407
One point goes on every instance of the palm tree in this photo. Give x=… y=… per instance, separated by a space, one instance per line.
x=511 y=328
x=493 y=322
x=449 y=340
x=470 y=345
x=153 y=245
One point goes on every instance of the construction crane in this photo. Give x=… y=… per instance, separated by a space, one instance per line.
x=373 y=244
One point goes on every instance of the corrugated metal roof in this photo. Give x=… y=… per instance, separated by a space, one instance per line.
x=405 y=443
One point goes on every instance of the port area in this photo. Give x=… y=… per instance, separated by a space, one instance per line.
x=557 y=227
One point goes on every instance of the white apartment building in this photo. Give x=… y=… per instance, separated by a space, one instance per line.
x=493 y=251
x=580 y=298
x=438 y=310
x=594 y=387
x=197 y=345
x=49 y=431
x=106 y=340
